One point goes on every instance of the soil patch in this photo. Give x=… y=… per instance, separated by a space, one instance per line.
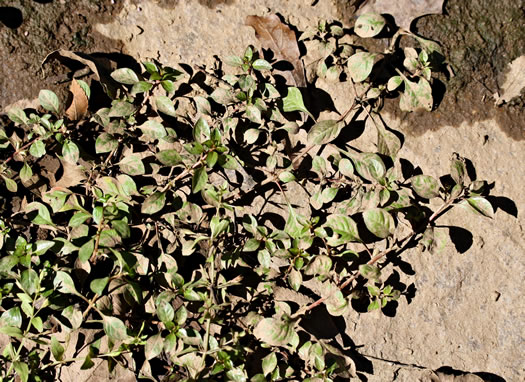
x=479 y=39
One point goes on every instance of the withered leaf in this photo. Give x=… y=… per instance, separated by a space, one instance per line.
x=278 y=37
x=79 y=102
x=100 y=70
x=403 y=11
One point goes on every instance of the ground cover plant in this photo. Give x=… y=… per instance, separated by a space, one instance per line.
x=129 y=227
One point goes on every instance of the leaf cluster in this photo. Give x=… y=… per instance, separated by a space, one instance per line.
x=152 y=240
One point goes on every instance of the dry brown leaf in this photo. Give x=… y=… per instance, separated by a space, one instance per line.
x=79 y=102
x=94 y=64
x=403 y=11
x=514 y=81
x=278 y=37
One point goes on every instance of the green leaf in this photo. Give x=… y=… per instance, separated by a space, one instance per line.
x=425 y=186
x=321 y=266
x=274 y=332
x=132 y=165
x=105 y=143
x=269 y=363
x=11 y=331
x=57 y=349
x=286 y=177
x=480 y=205
x=251 y=135
x=121 y=109
x=369 y=272
x=37 y=149
x=387 y=142
x=181 y=315
x=253 y=114
x=49 y=100
x=218 y=226
x=85 y=87
x=295 y=279
x=168 y=85
x=78 y=218
x=379 y=222
x=169 y=157
x=200 y=178
x=43 y=216
x=11 y=318
x=22 y=370
x=30 y=281
x=165 y=311
x=26 y=172
x=235 y=61
x=70 y=152
x=114 y=328
x=85 y=252
x=165 y=105
x=153 y=129
x=64 y=283
x=369 y=25
x=360 y=65
x=141 y=87
x=154 y=346
x=201 y=131
x=98 y=285
x=261 y=64
x=324 y=132
x=294 y=101
x=393 y=83
x=222 y=96
x=344 y=229
x=150 y=67
x=293 y=227
x=336 y=304
x=416 y=95
x=458 y=170
x=17 y=115
x=203 y=105
x=125 y=76
x=10 y=184
x=153 y=203
x=346 y=168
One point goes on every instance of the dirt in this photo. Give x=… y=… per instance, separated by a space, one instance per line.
x=479 y=39
x=466 y=309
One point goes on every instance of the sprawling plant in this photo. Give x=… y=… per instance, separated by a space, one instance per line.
x=141 y=233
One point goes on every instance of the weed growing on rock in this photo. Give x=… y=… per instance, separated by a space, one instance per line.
x=169 y=230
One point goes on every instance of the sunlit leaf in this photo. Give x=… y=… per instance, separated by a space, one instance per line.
x=132 y=165
x=324 y=132
x=153 y=129
x=273 y=331
x=70 y=152
x=49 y=100
x=125 y=76
x=165 y=105
x=425 y=186
x=269 y=363
x=114 y=328
x=379 y=222
x=64 y=283
x=360 y=65
x=154 y=346
x=57 y=349
x=153 y=203
x=480 y=205
x=369 y=25
x=98 y=285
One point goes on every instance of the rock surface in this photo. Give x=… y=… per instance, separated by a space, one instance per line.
x=465 y=306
